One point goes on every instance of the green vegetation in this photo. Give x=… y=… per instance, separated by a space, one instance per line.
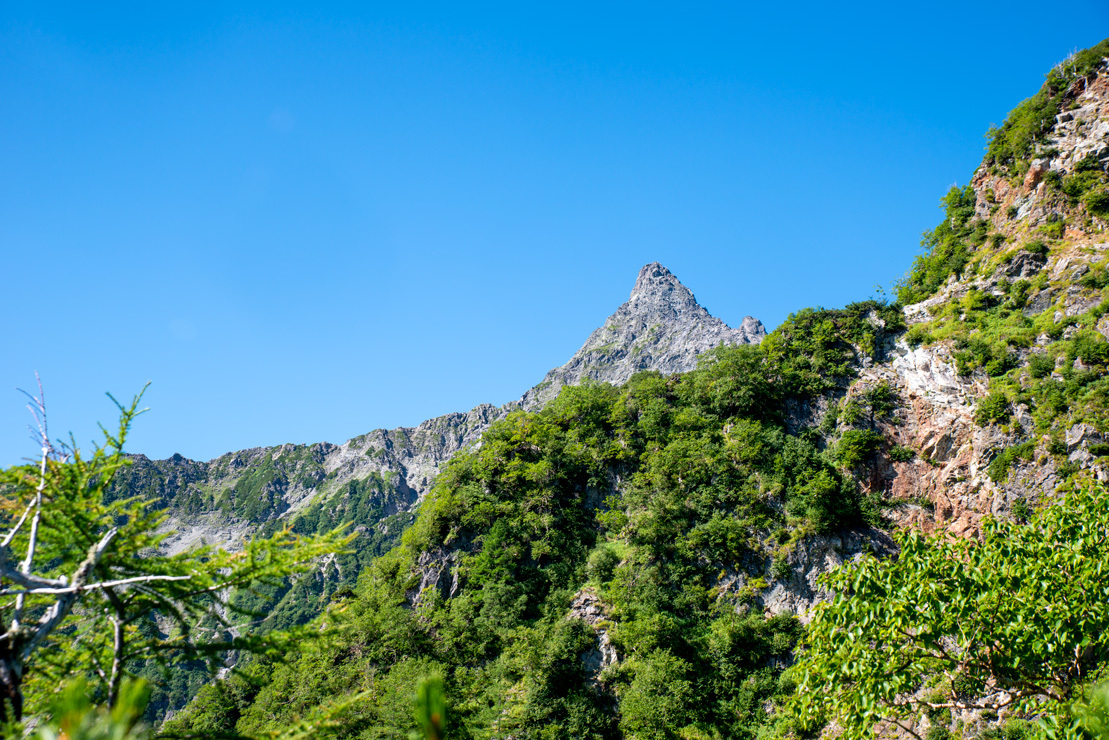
x=816 y=350
x=856 y=446
x=898 y=453
x=93 y=598
x=1086 y=183
x=1000 y=466
x=993 y=409
x=1015 y=621
x=1048 y=359
x=646 y=493
x=948 y=246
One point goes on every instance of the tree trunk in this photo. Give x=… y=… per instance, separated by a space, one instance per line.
x=11 y=684
x=117 y=646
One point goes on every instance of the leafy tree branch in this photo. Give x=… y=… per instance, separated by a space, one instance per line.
x=94 y=591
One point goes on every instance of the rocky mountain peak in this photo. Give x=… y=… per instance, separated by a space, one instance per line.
x=661 y=327
x=657 y=288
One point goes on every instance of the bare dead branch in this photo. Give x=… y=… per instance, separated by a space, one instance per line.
x=54 y=591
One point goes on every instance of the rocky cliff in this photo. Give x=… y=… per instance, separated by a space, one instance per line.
x=999 y=392
x=1020 y=329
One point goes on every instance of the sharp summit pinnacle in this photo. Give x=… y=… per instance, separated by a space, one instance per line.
x=661 y=327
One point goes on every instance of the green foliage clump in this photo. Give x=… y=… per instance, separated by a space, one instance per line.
x=1037 y=247
x=993 y=409
x=899 y=453
x=948 y=247
x=1054 y=229
x=780 y=569
x=938 y=731
x=974 y=352
x=872 y=405
x=815 y=350
x=1041 y=365
x=857 y=446
x=1097 y=201
x=1096 y=279
x=1011 y=729
x=660 y=697
x=602 y=563
x=1001 y=465
x=1021 y=610
x=1022 y=512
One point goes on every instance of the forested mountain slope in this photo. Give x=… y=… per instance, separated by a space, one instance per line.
x=374 y=482
x=634 y=527
x=639 y=560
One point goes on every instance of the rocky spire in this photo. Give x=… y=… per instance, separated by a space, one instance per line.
x=656 y=289
x=661 y=327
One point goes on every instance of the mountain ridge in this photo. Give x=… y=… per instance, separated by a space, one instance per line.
x=660 y=327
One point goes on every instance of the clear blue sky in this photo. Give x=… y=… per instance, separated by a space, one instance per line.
x=305 y=224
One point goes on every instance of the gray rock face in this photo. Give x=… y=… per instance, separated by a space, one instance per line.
x=588 y=607
x=801 y=590
x=661 y=327
x=438 y=572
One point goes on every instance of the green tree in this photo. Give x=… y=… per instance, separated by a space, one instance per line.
x=1015 y=620
x=87 y=591
x=73 y=716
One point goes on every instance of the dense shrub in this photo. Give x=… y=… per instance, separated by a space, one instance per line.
x=993 y=409
x=601 y=564
x=857 y=446
x=1041 y=365
x=901 y=454
x=1097 y=201
x=815 y=350
x=947 y=247
x=660 y=699
x=1037 y=247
